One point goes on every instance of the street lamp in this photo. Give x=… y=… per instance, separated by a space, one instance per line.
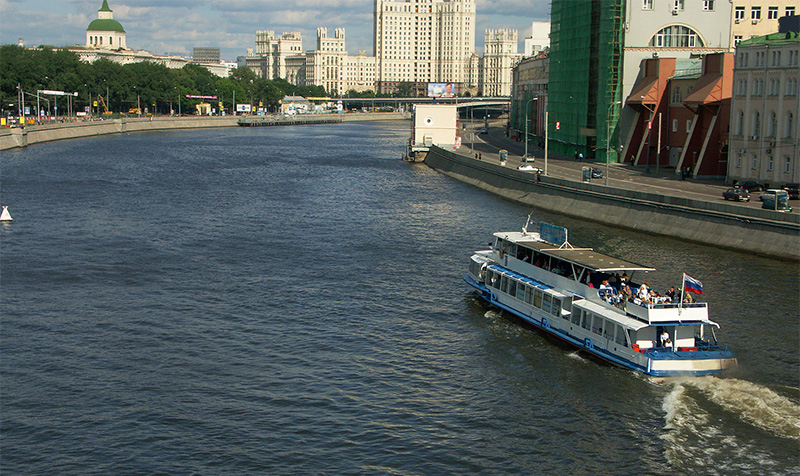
x=649 y=128
x=608 y=137
x=526 y=125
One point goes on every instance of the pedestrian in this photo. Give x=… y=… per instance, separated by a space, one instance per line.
x=480 y=156
x=580 y=157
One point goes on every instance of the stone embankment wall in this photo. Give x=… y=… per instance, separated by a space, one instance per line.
x=17 y=137
x=751 y=230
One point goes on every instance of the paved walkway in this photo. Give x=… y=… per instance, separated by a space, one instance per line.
x=662 y=181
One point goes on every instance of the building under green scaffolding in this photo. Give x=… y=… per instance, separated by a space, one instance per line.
x=585 y=78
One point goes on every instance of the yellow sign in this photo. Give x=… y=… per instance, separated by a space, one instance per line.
x=94 y=103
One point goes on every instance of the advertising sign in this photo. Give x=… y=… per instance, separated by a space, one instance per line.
x=441 y=90
x=194 y=96
x=552 y=233
x=244 y=108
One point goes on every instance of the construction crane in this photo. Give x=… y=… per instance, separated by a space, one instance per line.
x=106 y=112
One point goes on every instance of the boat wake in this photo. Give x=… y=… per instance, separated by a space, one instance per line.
x=697 y=437
x=755 y=404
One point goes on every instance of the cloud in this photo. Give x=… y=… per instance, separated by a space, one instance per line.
x=179 y=25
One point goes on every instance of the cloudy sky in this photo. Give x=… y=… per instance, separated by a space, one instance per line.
x=176 y=26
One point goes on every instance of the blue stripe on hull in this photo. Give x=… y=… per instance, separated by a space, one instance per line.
x=603 y=354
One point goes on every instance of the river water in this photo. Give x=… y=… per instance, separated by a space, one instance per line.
x=289 y=301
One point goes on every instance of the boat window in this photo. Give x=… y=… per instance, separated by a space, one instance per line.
x=546 y=303
x=621 y=336
x=576 y=316
x=529 y=294
x=504 y=284
x=520 y=291
x=597 y=325
x=537 y=297
x=512 y=287
x=608 y=330
x=586 y=323
x=556 y=307
x=492 y=279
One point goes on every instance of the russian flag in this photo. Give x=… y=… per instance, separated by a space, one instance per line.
x=692 y=285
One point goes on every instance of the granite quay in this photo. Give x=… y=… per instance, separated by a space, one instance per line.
x=691 y=210
x=11 y=138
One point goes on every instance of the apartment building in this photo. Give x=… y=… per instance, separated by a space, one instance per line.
x=765 y=127
x=752 y=18
x=499 y=57
x=270 y=57
x=422 y=41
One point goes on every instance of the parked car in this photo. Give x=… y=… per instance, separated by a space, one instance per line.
x=528 y=159
x=529 y=168
x=483 y=131
x=792 y=190
x=778 y=201
x=597 y=173
x=770 y=193
x=749 y=185
x=738 y=194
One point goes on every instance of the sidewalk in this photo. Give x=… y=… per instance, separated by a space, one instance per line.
x=662 y=181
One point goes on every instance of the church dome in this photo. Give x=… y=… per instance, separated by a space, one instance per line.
x=105 y=24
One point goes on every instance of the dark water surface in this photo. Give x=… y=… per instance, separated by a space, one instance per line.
x=289 y=301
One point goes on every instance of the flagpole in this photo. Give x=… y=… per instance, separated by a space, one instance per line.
x=683 y=290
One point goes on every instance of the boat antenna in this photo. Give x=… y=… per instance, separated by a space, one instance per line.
x=525 y=226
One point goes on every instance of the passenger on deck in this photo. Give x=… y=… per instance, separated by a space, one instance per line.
x=664 y=338
x=644 y=292
x=623 y=281
x=626 y=294
x=671 y=293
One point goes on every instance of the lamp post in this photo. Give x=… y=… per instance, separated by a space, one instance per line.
x=649 y=128
x=608 y=137
x=526 y=125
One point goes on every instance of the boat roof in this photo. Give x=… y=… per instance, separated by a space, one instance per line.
x=586 y=257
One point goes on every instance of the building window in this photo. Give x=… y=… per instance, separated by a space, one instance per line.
x=789 y=125
x=647 y=4
x=736 y=39
x=789 y=11
x=755 y=13
x=740 y=124
x=787 y=165
x=756 y=125
x=772 y=13
x=676 y=94
x=738 y=14
x=739 y=162
x=770 y=163
x=676 y=36
x=773 y=124
x=674 y=125
x=677 y=5
x=776 y=58
x=708 y=5
x=688 y=126
x=791 y=87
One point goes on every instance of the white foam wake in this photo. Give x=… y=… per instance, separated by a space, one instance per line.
x=755 y=404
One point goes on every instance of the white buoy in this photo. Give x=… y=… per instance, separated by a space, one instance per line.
x=5 y=216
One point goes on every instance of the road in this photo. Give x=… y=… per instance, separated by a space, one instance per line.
x=664 y=181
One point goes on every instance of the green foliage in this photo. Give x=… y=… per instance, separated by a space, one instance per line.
x=125 y=86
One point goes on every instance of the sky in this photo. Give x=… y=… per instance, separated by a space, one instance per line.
x=177 y=26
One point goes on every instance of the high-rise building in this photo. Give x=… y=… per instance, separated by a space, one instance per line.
x=422 y=41
x=539 y=39
x=269 y=60
x=499 y=57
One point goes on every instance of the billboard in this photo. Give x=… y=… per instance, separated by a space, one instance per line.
x=243 y=108
x=441 y=90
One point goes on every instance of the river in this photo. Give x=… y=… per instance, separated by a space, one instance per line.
x=289 y=301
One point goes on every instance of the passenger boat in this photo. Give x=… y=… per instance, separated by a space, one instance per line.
x=574 y=294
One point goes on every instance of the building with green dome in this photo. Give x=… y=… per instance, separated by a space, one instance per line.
x=105 y=32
